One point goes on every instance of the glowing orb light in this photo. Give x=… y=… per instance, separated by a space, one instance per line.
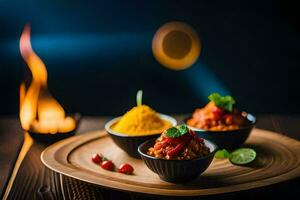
x=176 y=45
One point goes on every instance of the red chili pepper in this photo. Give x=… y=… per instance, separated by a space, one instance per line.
x=173 y=152
x=185 y=140
x=125 y=168
x=160 y=145
x=178 y=140
x=195 y=136
x=188 y=137
x=167 y=141
x=192 y=133
x=198 y=139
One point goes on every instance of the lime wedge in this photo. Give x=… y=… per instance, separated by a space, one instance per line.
x=222 y=154
x=242 y=156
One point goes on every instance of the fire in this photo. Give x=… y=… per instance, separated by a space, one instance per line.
x=39 y=111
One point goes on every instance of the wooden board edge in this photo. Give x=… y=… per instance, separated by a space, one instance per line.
x=169 y=192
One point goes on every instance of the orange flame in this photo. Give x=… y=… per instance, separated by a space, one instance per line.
x=38 y=109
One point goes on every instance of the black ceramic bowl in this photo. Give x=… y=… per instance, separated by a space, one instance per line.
x=177 y=171
x=228 y=139
x=130 y=143
x=51 y=138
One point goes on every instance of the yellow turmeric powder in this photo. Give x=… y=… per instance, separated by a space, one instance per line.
x=141 y=120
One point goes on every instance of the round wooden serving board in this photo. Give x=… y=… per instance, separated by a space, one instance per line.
x=278 y=159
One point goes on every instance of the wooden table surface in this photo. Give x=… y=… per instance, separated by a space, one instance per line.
x=35 y=181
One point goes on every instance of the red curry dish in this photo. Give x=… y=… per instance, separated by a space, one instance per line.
x=184 y=146
x=218 y=115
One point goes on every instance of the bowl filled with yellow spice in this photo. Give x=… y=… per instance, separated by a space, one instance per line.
x=139 y=124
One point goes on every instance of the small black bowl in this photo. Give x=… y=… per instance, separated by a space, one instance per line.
x=177 y=171
x=129 y=143
x=51 y=138
x=231 y=139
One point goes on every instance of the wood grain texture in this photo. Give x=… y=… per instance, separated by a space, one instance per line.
x=37 y=181
x=64 y=187
x=278 y=160
x=9 y=149
x=34 y=180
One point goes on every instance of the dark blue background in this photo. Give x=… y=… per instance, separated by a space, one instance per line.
x=98 y=54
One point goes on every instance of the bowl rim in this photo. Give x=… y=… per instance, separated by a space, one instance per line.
x=142 y=154
x=108 y=125
x=252 y=119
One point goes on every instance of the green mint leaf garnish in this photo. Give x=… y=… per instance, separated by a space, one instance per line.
x=139 y=96
x=172 y=132
x=183 y=129
x=222 y=154
x=177 y=132
x=225 y=102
